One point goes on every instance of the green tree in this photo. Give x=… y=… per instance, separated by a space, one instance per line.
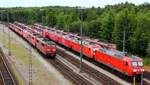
x=61 y=20
x=68 y=20
x=124 y=21
x=148 y=49
x=140 y=38
x=32 y=17
x=91 y=14
x=85 y=27
x=94 y=28
x=75 y=26
x=107 y=25
x=50 y=19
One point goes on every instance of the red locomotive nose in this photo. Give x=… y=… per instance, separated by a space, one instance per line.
x=53 y=49
x=138 y=70
x=138 y=67
x=142 y=70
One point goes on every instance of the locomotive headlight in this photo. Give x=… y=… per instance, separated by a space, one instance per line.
x=142 y=69
x=134 y=70
x=54 y=50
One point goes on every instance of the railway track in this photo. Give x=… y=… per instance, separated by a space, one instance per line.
x=69 y=74
x=6 y=76
x=1 y=80
x=147 y=75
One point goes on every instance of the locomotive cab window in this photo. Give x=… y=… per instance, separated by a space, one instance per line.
x=134 y=64
x=140 y=63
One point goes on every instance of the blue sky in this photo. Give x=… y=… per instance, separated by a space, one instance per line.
x=82 y=3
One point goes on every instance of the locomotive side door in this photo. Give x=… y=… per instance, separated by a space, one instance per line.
x=127 y=66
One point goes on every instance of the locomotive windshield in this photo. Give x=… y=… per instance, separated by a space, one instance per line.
x=47 y=41
x=140 y=63
x=134 y=63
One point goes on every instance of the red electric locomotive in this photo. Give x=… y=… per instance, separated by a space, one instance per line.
x=124 y=63
x=46 y=46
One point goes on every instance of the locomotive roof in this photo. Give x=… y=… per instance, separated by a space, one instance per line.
x=37 y=25
x=120 y=54
x=47 y=41
x=44 y=40
x=113 y=53
x=22 y=25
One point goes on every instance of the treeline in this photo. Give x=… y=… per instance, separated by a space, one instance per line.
x=107 y=24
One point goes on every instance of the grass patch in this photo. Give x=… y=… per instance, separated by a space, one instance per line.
x=3 y=22
x=147 y=68
x=17 y=49
x=147 y=61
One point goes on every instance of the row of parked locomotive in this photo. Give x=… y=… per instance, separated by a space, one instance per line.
x=105 y=53
x=44 y=45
